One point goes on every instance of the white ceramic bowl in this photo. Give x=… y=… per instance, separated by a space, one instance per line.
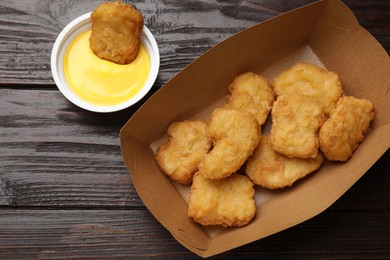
x=68 y=34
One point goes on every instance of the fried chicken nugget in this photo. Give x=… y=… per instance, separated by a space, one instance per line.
x=226 y=202
x=116 y=32
x=296 y=120
x=272 y=170
x=252 y=93
x=235 y=135
x=185 y=147
x=340 y=135
x=310 y=80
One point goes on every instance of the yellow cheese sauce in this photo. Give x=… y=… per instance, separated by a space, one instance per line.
x=102 y=82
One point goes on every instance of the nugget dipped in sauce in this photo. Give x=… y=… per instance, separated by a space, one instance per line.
x=116 y=32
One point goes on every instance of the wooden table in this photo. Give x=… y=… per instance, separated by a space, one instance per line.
x=64 y=189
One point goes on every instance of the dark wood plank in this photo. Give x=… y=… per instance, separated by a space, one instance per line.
x=53 y=154
x=183 y=29
x=129 y=234
x=64 y=190
x=374 y=16
x=371 y=192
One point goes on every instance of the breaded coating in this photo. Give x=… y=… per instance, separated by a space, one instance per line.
x=272 y=170
x=340 y=135
x=226 y=202
x=296 y=120
x=185 y=147
x=235 y=135
x=116 y=32
x=310 y=80
x=252 y=93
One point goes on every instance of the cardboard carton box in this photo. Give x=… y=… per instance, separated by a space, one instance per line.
x=325 y=33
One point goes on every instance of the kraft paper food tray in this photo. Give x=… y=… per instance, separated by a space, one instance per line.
x=325 y=33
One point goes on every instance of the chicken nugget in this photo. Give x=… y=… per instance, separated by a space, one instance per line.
x=116 y=32
x=252 y=93
x=296 y=120
x=235 y=135
x=272 y=170
x=310 y=80
x=226 y=202
x=185 y=147
x=340 y=135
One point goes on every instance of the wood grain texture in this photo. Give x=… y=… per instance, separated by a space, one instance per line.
x=134 y=234
x=53 y=154
x=65 y=192
x=183 y=29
